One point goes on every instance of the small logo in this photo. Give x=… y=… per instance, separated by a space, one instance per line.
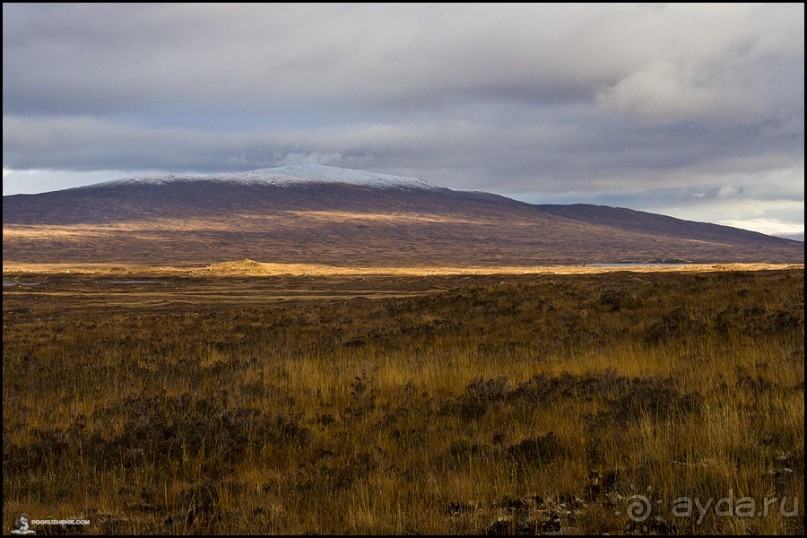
x=21 y=526
x=639 y=508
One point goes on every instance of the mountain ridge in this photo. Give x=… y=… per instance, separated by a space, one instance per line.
x=283 y=175
x=351 y=217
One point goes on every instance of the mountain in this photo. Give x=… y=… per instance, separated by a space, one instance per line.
x=321 y=214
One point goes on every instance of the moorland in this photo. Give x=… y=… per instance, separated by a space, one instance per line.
x=222 y=401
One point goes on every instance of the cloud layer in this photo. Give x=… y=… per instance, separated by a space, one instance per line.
x=541 y=102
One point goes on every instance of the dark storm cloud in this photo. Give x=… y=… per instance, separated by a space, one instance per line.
x=532 y=100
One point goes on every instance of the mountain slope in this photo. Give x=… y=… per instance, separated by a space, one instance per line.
x=316 y=214
x=629 y=219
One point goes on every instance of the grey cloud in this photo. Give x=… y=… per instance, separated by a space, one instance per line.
x=741 y=65
x=552 y=156
x=92 y=58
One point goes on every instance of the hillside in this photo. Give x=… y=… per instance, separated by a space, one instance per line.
x=314 y=214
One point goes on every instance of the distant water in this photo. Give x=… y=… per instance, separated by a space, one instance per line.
x=132 y=282
x=15 y=283
x=635 y=264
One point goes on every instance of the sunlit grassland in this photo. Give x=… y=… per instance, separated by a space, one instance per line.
x=523 y=404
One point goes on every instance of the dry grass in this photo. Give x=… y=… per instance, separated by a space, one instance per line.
x=479 y=404
x=254 y=268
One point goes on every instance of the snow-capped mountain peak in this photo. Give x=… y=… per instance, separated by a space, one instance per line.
x=289 y=175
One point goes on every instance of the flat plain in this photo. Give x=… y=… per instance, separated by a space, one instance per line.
x=259 y=398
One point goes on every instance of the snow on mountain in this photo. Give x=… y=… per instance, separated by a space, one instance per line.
x=288 y=175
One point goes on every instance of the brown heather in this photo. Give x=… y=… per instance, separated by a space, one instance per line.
x=398 y=404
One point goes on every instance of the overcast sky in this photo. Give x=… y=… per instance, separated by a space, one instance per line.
x=689 y=110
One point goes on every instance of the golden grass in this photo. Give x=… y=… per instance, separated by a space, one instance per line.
x=482 y=408
x=254 y=268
